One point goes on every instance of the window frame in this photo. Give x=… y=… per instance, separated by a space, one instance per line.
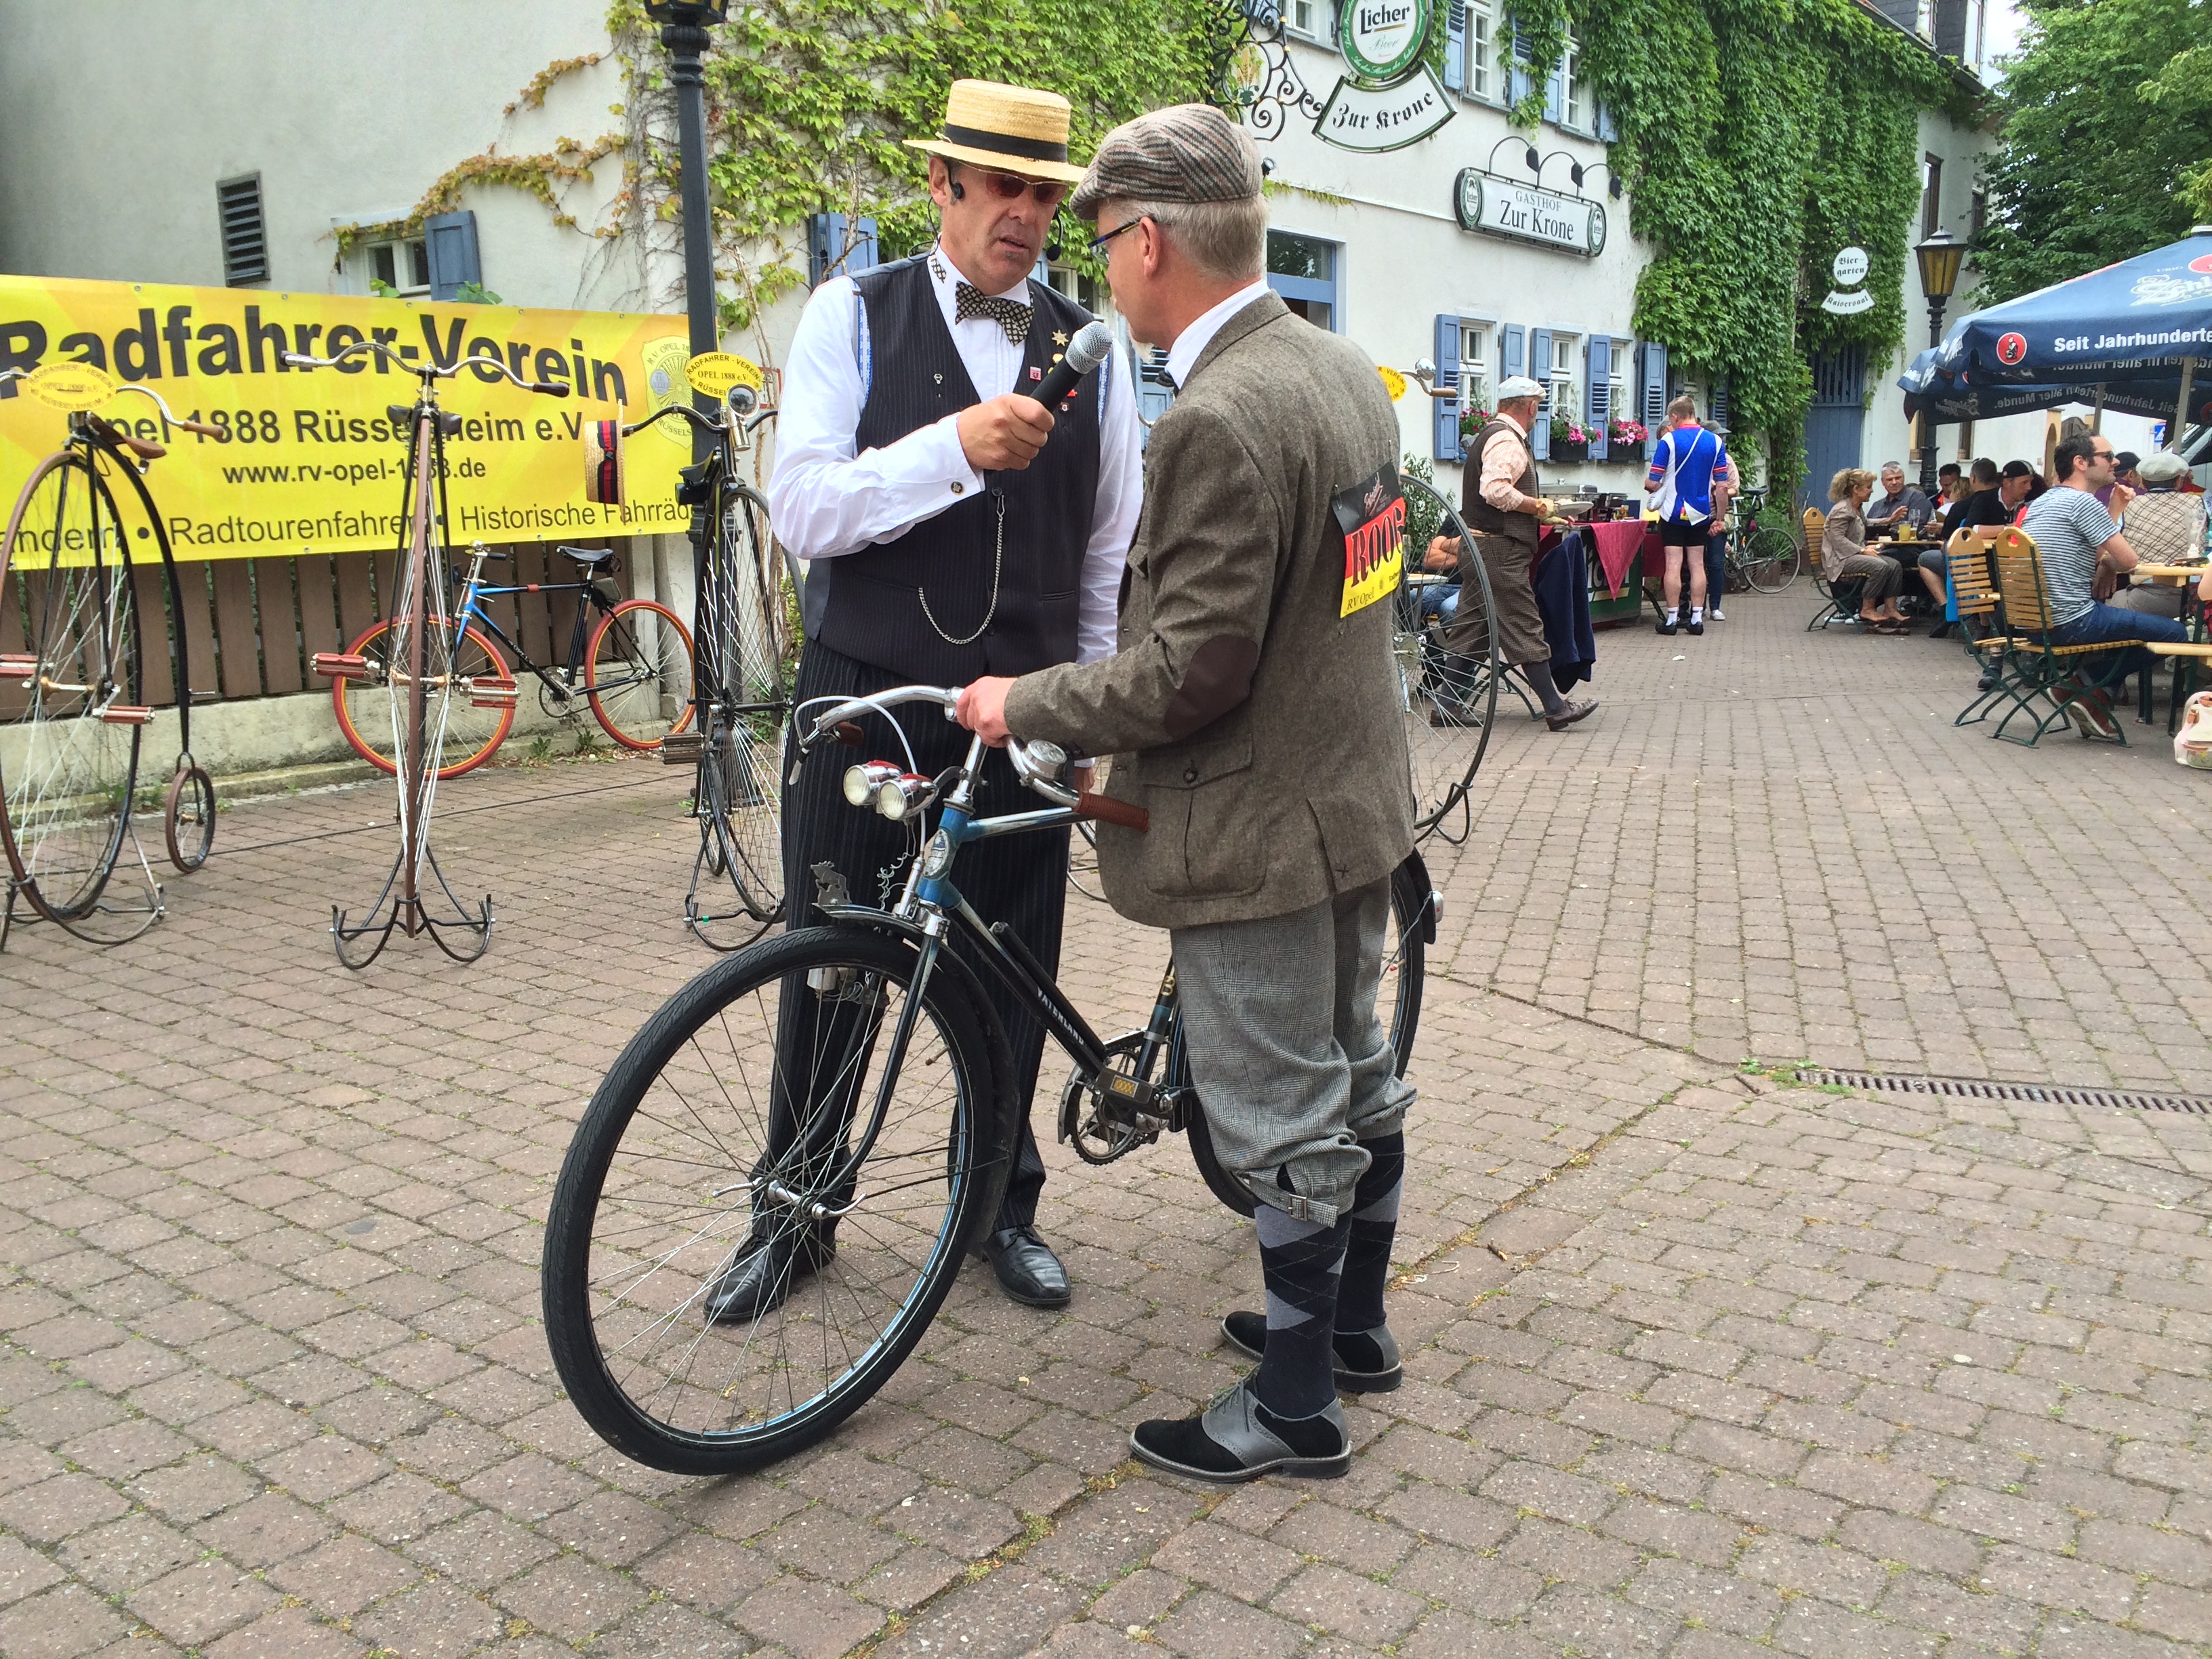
x=1567 y=342
x=239 y=272
x=414 y=251
x=1570 y=87
x=1324 y=34
x=1328 y=291
x=1931 y=192
x=1484 y=38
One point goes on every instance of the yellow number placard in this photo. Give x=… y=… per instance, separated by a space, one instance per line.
x=312 y=460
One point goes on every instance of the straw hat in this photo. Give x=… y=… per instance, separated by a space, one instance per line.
x=1009 y=129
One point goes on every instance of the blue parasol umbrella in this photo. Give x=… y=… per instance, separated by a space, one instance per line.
x=1945 y=396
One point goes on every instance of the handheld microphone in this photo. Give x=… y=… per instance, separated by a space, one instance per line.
x=1092 y=344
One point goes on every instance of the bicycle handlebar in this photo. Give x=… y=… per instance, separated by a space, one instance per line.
x=426 y=372
x=704 y=423
x=173 y=419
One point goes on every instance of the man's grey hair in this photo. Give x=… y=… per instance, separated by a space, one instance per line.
x=1893 y=466
x=1225 y=240
x=1508 y=403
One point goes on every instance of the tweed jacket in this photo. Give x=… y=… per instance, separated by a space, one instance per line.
x=1257 y=724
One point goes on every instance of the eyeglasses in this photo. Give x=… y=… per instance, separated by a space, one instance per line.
x=1098 y=243
x=2102 y=455
x=1046 y=194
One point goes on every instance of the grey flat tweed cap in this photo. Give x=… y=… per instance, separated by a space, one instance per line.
x=1187 y=153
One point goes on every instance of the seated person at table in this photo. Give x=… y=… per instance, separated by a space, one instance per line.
x=1843 y=558
x=2164 y=526
x=1982 y=506
x=2123 y=477
x=2080 y=544
x=1950 y=487
x=1902 y=507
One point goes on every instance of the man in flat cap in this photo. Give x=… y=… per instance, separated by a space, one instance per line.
x=1253 y=711
x=1504 y=513
x=956 y=528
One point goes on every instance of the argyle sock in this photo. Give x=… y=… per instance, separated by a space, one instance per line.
x=1301 y=1262
x=1374 y=1229
x=1539 y=675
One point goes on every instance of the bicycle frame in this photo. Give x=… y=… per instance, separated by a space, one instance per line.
x=475 y=591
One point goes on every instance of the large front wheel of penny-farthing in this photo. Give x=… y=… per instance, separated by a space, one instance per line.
x=1405 y=940
x=765 y=1111
x=71 y=709
x=1447 y=693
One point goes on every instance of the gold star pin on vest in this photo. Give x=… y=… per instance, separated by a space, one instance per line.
x=1059 y=337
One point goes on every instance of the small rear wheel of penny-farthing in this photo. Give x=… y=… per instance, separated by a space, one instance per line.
x=188 y=816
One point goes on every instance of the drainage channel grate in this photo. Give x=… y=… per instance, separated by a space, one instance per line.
x=2049 y=1094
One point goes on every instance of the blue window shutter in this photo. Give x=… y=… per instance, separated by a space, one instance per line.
x=839 y=247
x=451 y=241
x=1456 y=46
x=1512 y=352
x=1555 y=96
x=1517 y=79
x=1598 y=404
x=1608 y=131
x=1719 y=400
x=1447 y=409
x=1540 y=369
x=1651 y=390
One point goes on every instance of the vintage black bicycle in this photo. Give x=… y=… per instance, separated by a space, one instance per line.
x=847 y=1089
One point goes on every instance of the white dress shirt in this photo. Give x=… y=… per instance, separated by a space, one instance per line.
x=825 y=501
x=1183 y=355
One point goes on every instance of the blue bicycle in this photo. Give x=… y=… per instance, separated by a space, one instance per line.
x=843 y=1096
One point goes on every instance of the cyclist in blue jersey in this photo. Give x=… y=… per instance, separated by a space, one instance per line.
x=1688 y=464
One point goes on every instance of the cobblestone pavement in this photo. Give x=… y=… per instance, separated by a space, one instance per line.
x=1701 y=1363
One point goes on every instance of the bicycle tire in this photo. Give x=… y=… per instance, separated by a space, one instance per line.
x=1405 y=975
x=1769 y=559
x=65 y=798
x=631 y=1253
x=1457 y=689
x=188 y=818
x=361 y=704
x=648 y=697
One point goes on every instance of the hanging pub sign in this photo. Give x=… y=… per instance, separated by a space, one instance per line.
x=1390 y=97
x=1847 y=299
x=1484 y=203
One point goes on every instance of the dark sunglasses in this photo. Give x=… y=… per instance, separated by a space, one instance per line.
x=1046 y=194
x=1098 y=243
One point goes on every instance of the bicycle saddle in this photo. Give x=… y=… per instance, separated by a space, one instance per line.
x=588 y=557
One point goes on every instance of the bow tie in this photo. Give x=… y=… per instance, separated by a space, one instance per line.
x=969 y=302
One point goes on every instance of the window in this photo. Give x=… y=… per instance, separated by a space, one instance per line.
x=1620 y=361
x=1566 y=350
x=1474 y=365
x=1077 y=286
x=1570 y=92
x=1314 y=19
x=401 y=266
x=1931 y=194
x=245 y=231
x=1304 y=270
x=1481 y=49
x=1980 y=219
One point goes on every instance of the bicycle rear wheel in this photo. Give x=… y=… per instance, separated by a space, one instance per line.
x=1448 y=695
x=372 y=706
x=71 y=679
x=1769 y=559
x=638 y=674
x=1397 y=1005
x=735 y=1113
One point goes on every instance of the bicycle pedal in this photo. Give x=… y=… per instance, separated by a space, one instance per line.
x=17 y=666
x=492 y=693
x=122 y=713
x=336 y=665
x=682 y=747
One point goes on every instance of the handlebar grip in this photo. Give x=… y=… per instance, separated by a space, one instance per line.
x=200 y=427
x=550 y=388
x=847 y=733
x=141 y=447
x=1106 y=810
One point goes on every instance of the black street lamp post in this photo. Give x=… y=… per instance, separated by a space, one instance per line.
x=1940 y=258
x=683 y=25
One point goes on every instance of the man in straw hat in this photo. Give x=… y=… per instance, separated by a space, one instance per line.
x=1253 y=712
x=956 y=528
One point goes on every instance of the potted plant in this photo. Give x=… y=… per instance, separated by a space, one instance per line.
x=1473 y=415
x=1570 y=442
x=1624 y=439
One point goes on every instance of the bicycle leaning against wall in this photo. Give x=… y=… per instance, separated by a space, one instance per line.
x=844 y=1092
x=424 y=674
x=74 y=605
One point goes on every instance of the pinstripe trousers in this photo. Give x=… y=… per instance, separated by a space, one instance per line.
x=1021 y=880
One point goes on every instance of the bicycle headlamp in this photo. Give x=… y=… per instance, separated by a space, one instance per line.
x=900 y=795
x=862 y=782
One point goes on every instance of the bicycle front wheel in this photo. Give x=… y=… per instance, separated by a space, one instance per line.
x=766 y=1123
x=1448 y=692
x=745 y=680
x=478 y=704
x=638 y=676
x=71 y=716
x=1770 y=560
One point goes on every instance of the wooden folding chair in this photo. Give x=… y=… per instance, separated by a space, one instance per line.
x=1973 y=588
x=1838 y=604
x=2060 y=675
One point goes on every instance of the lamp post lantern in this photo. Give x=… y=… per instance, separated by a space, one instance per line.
x=1939 y=258
x=683 y=25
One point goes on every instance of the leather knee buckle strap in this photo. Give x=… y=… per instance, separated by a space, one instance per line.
x=1293 y=1204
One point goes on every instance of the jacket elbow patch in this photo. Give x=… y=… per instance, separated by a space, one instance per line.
x=1218 y=678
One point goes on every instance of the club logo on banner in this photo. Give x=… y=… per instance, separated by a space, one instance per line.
x=310 y=461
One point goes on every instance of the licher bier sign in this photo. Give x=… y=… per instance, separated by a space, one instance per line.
x=1390 y=97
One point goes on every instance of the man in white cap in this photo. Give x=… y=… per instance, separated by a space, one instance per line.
x=957 y=528
x=1505 y=510
x=2164 y=526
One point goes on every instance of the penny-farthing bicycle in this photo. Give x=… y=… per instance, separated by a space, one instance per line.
x=428 y=670
x=1448 y=668
x=75 y=604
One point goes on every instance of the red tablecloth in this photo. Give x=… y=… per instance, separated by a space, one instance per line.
x=1618 y=544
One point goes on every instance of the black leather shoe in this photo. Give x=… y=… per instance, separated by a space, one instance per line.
x=765 y=1274
x=1236 y=1439
x=1570 y=713
x=1028 y=1270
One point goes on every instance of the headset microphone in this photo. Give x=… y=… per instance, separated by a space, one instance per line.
x=959 y=190
x=1092 y=344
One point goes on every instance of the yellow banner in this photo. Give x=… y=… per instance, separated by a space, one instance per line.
x=311 y=460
